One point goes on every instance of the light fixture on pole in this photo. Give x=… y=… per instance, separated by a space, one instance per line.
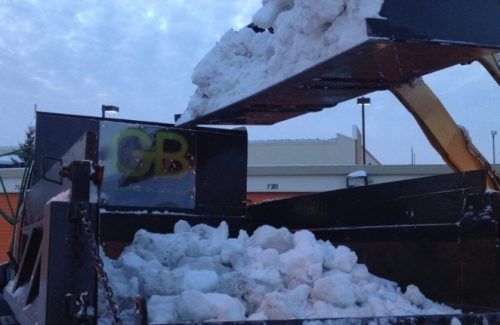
x=493 y=133
x=109 y=109
x=363 y=101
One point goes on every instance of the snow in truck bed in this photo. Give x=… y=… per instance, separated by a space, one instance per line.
x=200 y=274
x=305 y=33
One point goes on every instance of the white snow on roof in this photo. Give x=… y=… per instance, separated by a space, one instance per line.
x=200 y=274
x=305 y=33
x=358 y=173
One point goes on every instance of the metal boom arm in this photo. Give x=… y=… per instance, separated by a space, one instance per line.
x=450 y=140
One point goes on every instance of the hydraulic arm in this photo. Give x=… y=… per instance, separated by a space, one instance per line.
x=450 y=140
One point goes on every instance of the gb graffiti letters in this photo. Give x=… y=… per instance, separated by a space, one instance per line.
x=135 y=153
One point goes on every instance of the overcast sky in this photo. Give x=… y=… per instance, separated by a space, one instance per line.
x=73 y=56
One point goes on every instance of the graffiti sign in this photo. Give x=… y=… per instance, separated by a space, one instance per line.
x=147 y=166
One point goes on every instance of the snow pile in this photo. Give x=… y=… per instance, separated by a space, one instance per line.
x=199 y=274
x=304 y=33
x=357 y=173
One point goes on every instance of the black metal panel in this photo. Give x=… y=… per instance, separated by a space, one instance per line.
x=222 y=172
x=5 y=312
x=429 y=200
x=453 y=263
x=67 y=265
x=131 y=223
x=462 y=21
x=480 y=263
x=5 y=274
x=56 y=134
x=51 y=182
x=481 y=318
x=80 y=175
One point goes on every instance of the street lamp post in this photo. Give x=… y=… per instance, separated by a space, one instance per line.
x=493 y=133
x=363 y=101
x=110 y=109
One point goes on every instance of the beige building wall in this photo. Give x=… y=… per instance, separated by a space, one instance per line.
x=342 y=150
x=300 y=179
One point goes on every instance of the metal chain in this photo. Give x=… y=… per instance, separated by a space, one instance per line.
x=102 y=277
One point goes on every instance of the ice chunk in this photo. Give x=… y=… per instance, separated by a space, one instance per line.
x=304 y=262
x=335 y=289
x=357 y=173
x=161 y=309
x=270 y=237
x=343 y=259
x=266 y=16
x=204 y=281
x=228 y=308
x=195 y=306
x=181 y=226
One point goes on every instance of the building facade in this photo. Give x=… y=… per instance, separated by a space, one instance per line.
x=341 y=150
x=275 y=182
x=11 y=180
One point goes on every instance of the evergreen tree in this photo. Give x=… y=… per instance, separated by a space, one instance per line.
x=26 y=148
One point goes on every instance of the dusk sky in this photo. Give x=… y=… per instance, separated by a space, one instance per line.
x=73 y=56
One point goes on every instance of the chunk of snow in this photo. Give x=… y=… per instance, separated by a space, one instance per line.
x=336 y=290
x=161 y=309
x=197 y=306
x=266 y=16
x=204 y=281
x=64 y=196
x=270 y=237
x=358 y=173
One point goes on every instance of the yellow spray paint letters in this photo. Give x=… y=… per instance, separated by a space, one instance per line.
x=135 y=154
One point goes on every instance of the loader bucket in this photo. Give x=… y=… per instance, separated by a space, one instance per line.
x=415 y=37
